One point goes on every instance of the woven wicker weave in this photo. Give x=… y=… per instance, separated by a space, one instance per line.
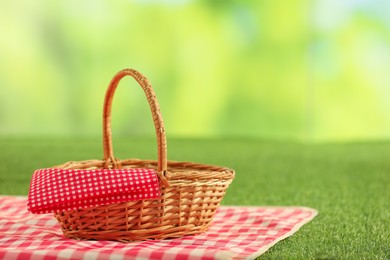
x=190 y=192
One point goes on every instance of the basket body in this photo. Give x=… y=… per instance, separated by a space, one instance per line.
x=186 y=207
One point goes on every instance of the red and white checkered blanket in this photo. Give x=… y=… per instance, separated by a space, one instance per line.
x=236 y=233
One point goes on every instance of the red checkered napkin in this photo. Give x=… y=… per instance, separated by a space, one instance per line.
x=56 y=190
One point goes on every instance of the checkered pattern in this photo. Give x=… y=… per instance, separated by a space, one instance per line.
x=236 y=233
x=56 y=190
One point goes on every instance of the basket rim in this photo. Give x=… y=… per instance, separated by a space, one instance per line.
x=153 y=164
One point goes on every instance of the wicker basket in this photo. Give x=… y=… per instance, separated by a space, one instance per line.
x=190 y=192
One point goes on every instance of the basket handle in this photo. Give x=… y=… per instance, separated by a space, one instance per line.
x=157 y=119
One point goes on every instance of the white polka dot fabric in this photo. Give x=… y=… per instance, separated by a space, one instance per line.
x=56 y=190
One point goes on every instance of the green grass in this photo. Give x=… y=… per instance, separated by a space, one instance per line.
x=349 y=184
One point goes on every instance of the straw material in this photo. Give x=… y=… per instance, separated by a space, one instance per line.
x=190 y=192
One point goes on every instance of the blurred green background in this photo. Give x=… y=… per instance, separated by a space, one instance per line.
x=302 y=70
